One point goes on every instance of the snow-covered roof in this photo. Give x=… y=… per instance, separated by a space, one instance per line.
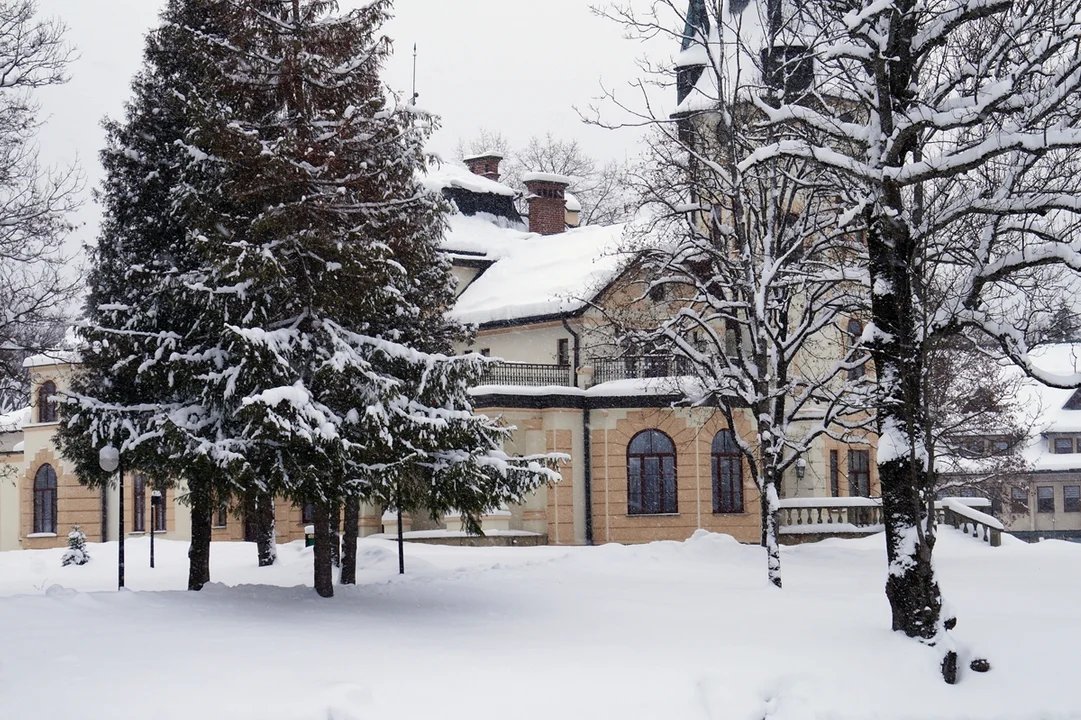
x=14 y=421
x=1044 y=407
x=448 y=175
x=52 y=357
x=534 y=275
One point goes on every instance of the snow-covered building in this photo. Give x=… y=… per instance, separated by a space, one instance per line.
x=1048 y=504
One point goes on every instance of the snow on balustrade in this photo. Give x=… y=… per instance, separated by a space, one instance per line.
x=832 y=516
x=970 y=521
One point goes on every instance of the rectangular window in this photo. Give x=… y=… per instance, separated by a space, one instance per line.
x=1045 y=499
x=139 y=512
x=1018 y=501
x=859 y=473
x=307 y=513
x=1071 y=498
x=221 y=516
x=486 y=352
x=1063 y=446
x=157 y=505
x=835 y=475
x=731 y=338
x=1000 y=447
x=563 y=352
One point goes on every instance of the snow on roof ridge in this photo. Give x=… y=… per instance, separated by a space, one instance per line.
x=485 y=154
x=52 y=357
x=547 y=177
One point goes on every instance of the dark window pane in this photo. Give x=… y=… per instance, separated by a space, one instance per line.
x=1045 y=499
x=651 y=474
x=139 y=511
x=47 y=411
x=1063 y=446
x=859 y=473
x=1018 y=501
x=835 y=475
x=727 y=469
x=45 y=500
x=1071 y=498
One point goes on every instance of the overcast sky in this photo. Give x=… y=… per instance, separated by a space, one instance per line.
x=516 y=66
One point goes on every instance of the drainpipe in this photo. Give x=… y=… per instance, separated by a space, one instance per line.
x=104 y=513
x=587 y=449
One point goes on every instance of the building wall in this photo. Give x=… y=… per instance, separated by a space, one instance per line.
x=692 y=432
x=1037 y=521
x=11 y=467
x=534 y=343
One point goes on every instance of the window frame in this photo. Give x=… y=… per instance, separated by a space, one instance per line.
x=1055 y=446
x=138 y=496
x=307 y=513
x=45 y=500
x=48 y=412
x=1049 y=507
x=1018 y=501
x=855 y=474
x=835 y=474
x=666 y=462
x=158 y=516
x=728 y=453
x=1071 y=504
x=563 y=352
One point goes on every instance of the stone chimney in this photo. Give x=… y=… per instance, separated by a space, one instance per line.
x=486 y=165
x=546 y=194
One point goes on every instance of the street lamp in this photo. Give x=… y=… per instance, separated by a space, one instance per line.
x=157 y=506
x=109 y=460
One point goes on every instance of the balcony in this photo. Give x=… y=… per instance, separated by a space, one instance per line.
x=528 y=374
x=637 y=367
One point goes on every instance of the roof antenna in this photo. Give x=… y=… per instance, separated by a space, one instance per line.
x=413 y=101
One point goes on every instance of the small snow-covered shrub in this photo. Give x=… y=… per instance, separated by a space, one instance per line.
x=76 y=553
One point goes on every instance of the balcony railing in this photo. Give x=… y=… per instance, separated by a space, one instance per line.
x=528 y=374
x=634 y=367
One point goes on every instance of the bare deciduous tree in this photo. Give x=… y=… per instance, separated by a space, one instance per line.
x=37 y=280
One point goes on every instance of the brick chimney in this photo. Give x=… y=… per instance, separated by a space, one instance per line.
x=486 y=165
x=546 y=194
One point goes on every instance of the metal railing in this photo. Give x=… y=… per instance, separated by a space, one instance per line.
x=528 y=374
x=634 y=367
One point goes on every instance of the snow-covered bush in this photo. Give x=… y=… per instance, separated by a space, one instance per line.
x=76 y=553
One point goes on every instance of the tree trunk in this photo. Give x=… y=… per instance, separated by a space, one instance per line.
x=335 y=528
x=907 y=491
x=323 y=557
x=771 y=504
x=265 y=531
x=350 y=532
x=199 y=551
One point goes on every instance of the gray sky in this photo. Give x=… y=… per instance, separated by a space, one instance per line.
x=516 y=66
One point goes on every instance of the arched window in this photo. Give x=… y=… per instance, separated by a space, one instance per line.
x=727 y=469
x=651 y=474
x=46 y=409
x=855 y=332
x=45 y=500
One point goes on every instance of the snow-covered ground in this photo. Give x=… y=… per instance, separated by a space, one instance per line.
x=667 y=630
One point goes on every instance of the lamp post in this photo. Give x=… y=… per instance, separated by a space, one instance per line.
x=157 y=506
x=109 y=460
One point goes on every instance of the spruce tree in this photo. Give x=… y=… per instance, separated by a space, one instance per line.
x=331 y=371
x=151 y=328
x=76 y=554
